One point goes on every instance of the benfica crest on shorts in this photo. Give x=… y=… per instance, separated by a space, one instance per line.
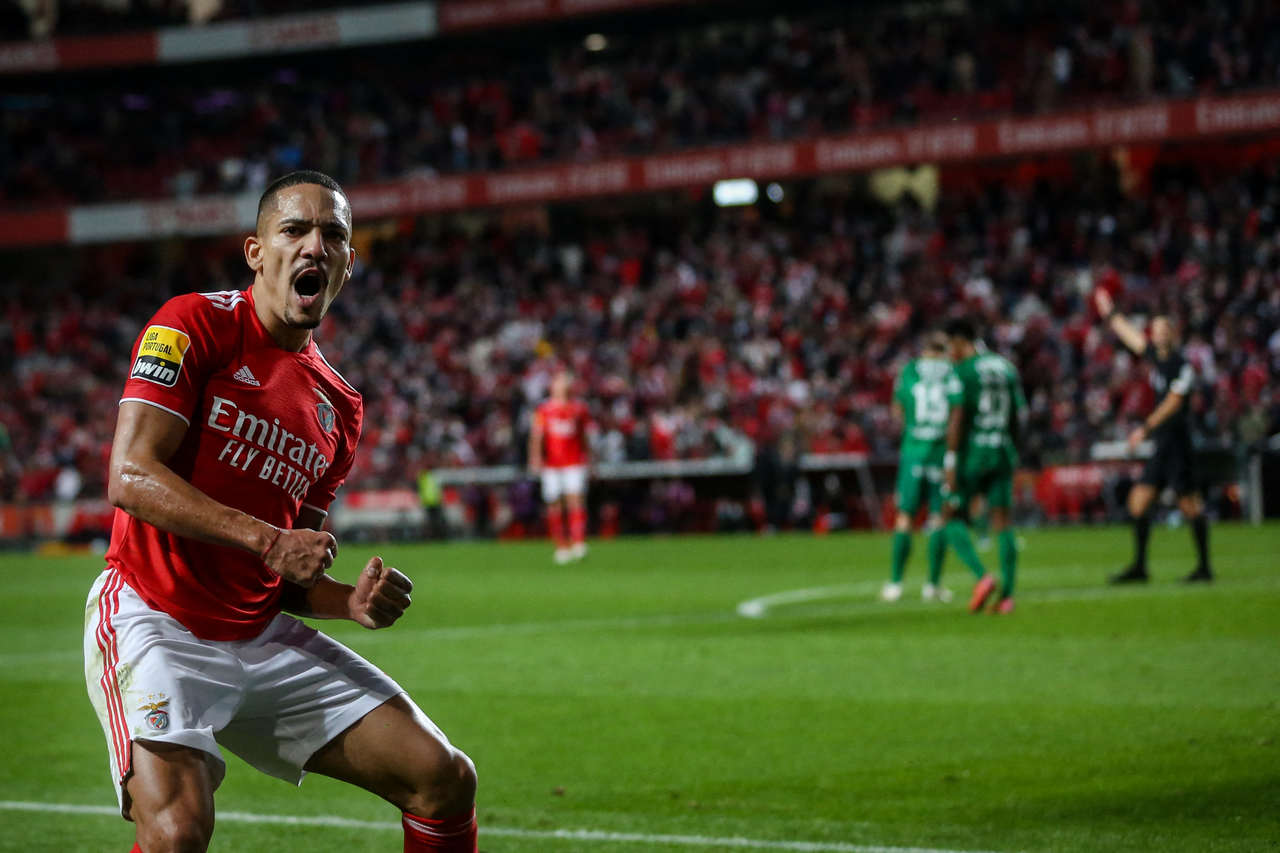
x=324 y=411
x=157 y=714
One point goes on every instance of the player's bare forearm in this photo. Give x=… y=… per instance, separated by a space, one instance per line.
x=955 y=435
x=1123 y=329
x=379 y=597
x=955 y=429
x=330 y=598
x=143 y=485
x=535 y=449
x=1168 y=408
x=1127 y=333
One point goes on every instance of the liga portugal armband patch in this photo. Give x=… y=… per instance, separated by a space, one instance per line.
x=160 y=355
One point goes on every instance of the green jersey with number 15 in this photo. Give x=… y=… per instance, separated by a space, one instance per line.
x=921 y=390
x=988 y=388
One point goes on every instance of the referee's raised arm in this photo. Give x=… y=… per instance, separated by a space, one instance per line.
x=1124 y=330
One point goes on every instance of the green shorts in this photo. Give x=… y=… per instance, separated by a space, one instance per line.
x=993 y=482
x=919 y=482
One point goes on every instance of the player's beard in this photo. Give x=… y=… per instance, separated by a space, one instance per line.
x=303 y=323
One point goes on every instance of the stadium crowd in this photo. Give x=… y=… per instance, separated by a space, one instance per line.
x=779 y=324
x=224 y=128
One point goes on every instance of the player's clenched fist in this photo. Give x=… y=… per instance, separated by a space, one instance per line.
x=301 y=556
x=381 y=595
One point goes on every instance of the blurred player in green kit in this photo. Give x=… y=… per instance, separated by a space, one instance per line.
x=987 y=407
x=920 y=400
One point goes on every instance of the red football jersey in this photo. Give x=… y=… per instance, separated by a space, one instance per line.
x=269 y=431
x=564 y=433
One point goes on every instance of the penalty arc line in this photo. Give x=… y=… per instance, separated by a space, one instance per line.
x=510 y=832
x=759 y=607
x=752 y=608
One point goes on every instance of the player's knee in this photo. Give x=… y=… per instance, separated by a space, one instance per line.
x=175 y=829
x=444 y=787
x=902 y=523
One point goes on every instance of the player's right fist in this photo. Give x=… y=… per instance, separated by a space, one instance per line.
x=302 y=556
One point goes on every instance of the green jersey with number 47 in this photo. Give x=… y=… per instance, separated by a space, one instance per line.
x=921 y=390
x=987 y=386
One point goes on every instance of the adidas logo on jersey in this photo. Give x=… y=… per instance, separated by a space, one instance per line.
x=245 y=375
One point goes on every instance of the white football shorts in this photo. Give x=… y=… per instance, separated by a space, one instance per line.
x=571 y=480
x=273 y=700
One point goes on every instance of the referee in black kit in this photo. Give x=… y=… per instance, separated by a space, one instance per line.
x=1171 y=465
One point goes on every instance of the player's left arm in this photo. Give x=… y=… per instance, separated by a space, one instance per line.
x=377 y=600
x=535 y=443
x=1169 y=406
x=955 y=430
x=955 y=437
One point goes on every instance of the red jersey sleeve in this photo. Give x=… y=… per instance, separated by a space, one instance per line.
x=174 y=356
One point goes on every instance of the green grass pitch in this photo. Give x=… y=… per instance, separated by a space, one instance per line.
x=625 y=697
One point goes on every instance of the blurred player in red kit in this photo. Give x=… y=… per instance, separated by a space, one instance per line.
x=232 y=438
x=558 y=451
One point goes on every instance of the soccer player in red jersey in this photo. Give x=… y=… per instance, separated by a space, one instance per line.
x=232 y=438
x=558 y=451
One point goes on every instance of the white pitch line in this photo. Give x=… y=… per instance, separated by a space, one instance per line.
x=752 y=608
x=758 y=608
x=755 y=608
x=510 y=832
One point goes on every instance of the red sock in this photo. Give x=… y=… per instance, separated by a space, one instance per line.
x=455 y=834
x=136 y=848
x=578 y=524
x=555 y=524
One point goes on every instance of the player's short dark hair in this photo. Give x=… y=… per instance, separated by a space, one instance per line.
x=962 y=328
x=935 y=341
x=293 y=179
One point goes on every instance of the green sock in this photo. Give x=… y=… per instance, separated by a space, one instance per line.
x=937 y=550
x=1008 y=561
x=958 y=538
x=901 y=549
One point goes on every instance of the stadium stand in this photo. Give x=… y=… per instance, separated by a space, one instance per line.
x=696 y=330
x=715 y=325
x=224 y=127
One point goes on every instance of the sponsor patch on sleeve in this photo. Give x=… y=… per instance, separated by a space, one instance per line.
x=160 y=356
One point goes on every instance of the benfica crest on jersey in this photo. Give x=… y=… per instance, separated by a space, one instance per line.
x=156 y=707
x=324 y=412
